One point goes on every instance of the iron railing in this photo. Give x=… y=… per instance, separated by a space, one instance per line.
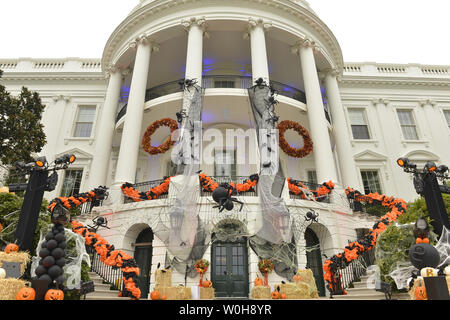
x=145 y=186
x=111 y=275
x=354 y=270
x=226 y=179
x=311 y=186
x=217 y=81
x=87 y=207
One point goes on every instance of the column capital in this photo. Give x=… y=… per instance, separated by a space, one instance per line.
x=144 y=39
x=304 y=43
x=253 y=22
x=377 y=101
x=425 y=102
x=199 y=21
x=332 y=72
x=62 y=97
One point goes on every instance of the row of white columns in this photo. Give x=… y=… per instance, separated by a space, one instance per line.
x=129 y=147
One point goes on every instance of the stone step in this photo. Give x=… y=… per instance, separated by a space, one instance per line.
x=104 y=292
x=369 y=296
x=359 y=291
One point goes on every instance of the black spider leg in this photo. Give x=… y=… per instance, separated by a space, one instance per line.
x=221 y=205
x=237 y=201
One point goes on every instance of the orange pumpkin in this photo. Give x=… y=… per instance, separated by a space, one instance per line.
x=297 y=278
x=26 y=294
x=207 y=284
x=420 y=293
x=163 y=297
x=54 y=294
x=258 y=282
x=155 y=295
x=11 y=247
x=283 y=296
x=276 y=295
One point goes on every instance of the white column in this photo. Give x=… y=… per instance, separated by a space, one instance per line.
x=131 y=135
x=341 y=135
x=105 y=131
x=323 y=155
x=260 y=68
x=194 y=56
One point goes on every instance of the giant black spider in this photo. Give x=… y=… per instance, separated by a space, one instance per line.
x=99 y=222
x=222 y=195
x=185 y=84
x=181 y=115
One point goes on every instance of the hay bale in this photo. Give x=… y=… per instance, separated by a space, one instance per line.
x=163 y=278
x=261 y=292
x=206 y=293
x=308 y=278
x=176 y=293
x=9 y=288
x=22 y=256
x=298 y=290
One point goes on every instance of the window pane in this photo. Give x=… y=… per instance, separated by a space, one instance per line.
x=405 y=117
x=71 y=183
x=86 y=114
x=360 y=132
x=357 y=117
x=410 y=133
x=371 y=181
x=312 y=176
x=83 y=130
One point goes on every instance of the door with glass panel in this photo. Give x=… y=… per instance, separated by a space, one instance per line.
x=224 y=163
x=229 y=269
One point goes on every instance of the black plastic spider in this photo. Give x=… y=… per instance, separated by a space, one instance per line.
x=181 y=115
x=185 y=84
x=222 y=195
x=99 y=222
x=274 y=119
x=272 y=100
x=312 y=216
x=260 y=82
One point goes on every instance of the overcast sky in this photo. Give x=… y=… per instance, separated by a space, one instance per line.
x=397 y=31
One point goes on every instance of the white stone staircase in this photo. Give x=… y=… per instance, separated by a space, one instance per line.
x=360 y=291
x=102 y=290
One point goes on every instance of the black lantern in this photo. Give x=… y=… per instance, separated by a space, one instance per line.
x=60 y=215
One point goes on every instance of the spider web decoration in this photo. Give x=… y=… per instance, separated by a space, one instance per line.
x=443 y=247
x=276 y=219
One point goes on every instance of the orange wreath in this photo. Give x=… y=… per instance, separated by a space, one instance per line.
x=146 y=139
x=284 y=145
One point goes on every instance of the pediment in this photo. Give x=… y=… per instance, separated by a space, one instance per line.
x=369 y=155
x=80 y=154
x=421 y=156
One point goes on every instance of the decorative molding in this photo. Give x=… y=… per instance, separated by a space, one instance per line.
x=425 y=102
x=379 y=101
x=199 y=21
x=65 y=98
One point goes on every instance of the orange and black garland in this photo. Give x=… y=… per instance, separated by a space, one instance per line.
x=78 y=199
x=365 y=243
x=111 y=257
x=207 y=183
x=284 y=145
x=324 y=189
x=146 y=139
x=153 y=193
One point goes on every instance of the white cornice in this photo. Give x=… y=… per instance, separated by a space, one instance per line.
x=142 y=15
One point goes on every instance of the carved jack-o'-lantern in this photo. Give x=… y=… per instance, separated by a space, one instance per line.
x=420 y=293
x=54 y=294
x=26 y=294
x=11 y=247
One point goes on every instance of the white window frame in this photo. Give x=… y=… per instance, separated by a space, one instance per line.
x=413 y=113
x=366 y=119
x=77 y=113
x=380 y=177
x=83 y=178
x=444 y=110
x=360 y=105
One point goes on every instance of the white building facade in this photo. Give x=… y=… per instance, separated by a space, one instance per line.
x=361 y=118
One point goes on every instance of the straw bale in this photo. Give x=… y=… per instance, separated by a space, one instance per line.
x=163 y=278
x=260 y=292
x=9 y=288
x=206 y=293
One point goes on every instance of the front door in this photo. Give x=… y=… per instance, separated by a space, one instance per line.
x=229 y=269
x=143 y=257
x=314 y=259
